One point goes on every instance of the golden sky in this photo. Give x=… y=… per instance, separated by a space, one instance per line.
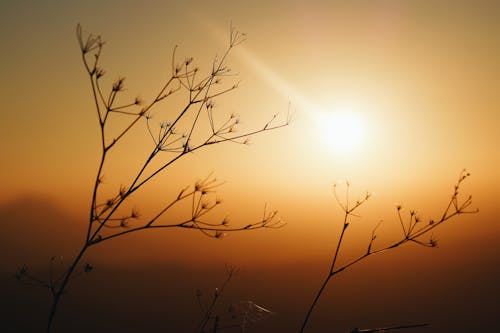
x=395 y=96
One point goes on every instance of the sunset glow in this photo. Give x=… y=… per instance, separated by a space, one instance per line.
x=156 y=143
x=342 y=130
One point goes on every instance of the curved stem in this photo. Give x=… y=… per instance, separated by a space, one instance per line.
x=315 y=301
x=60 y=291
x=330 y=273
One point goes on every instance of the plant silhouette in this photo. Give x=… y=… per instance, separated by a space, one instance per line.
x=238 y=316
x=175 y=139
x=195 y=126
x=207 y=310
x=413 y=229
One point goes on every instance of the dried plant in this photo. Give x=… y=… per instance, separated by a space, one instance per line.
x=207 y=308
x=182 y=132
x=413 y=229
x=251 y=313
x=238 y=316
x=185 y=133
x=242 y=316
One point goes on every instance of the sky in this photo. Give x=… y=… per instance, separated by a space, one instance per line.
x=397 y=97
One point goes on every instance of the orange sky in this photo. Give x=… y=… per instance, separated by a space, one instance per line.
x=420 y=76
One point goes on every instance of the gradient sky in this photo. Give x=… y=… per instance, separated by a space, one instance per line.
x=421 y=77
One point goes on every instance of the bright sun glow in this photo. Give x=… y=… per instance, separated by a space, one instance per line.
x=342 y=130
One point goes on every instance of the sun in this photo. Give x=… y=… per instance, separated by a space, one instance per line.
x=340 y=129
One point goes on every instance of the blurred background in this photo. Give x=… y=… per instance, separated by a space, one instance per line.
x=396 y=97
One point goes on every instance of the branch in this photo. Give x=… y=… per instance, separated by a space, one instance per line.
x=411 y=233
x=385 y=329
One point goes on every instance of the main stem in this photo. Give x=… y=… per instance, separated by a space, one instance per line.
x=329 y=276
x=62 y=287
x=311 y=308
